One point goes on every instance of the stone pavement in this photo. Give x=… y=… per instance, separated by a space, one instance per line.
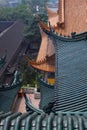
x=20 y=103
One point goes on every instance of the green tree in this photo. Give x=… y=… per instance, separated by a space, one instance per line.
x=32 y=32
x=5 y=13
x=29 y=76
x=16 y=13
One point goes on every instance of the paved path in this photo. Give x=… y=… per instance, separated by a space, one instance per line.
x=20 y=103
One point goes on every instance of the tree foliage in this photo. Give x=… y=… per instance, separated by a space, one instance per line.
x=16 y=13
x=29 y=76
x=32 y=32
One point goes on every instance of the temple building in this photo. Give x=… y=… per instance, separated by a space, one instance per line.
x=56 y=32
x=63 y=51
x=51 y=52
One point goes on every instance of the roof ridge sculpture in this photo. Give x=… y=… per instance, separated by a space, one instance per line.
x=15 y=83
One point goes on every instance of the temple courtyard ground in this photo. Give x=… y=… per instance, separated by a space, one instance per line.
x=20 y=103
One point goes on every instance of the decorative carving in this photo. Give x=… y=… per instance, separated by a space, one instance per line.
x=48 y=108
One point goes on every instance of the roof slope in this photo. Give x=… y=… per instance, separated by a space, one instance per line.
x=7 y=98
x=37 y=121
x=5 y=24
x=71 y=73
x=47 y=93
x=10 y=40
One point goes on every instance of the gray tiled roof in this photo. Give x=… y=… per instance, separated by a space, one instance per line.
x=47 y=93
x=71 y=73
x=9 y=92
x=35 y=121
x=10 y=40
x=4 y=25
x=7 y=98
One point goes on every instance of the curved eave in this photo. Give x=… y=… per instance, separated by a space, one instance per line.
x=72 y=38
x=46 y=47
x=7 y=98
x=31 y=107
x=47 y=65
x=52 y=25
x=43 y=67
x=43 y=25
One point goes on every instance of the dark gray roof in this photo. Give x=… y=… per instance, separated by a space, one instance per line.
x=5 y=24
x=7 y=97
x=10 y=40
x=9 y=92
x=35 y=121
